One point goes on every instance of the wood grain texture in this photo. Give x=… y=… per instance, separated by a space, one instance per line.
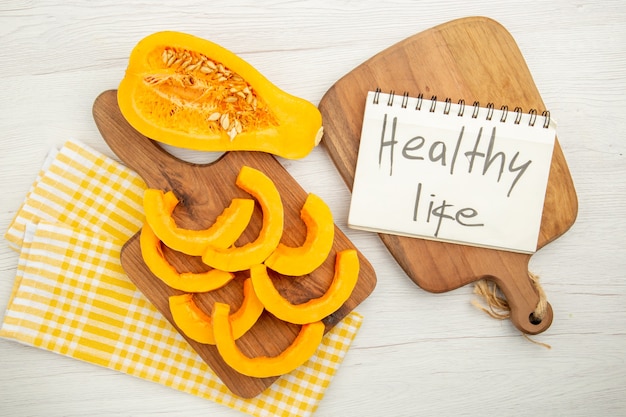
x=204 y=191
x=474 y=59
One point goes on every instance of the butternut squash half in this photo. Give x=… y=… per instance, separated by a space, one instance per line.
x=226 y=229
x=243 y=257
x=300 y=350
x=302 y=260
x=152 y=254
x=188 y=92
x=344 y=280
x=198 y=326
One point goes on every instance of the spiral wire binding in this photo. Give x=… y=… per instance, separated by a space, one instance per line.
x=476 y=109
x=461 y=103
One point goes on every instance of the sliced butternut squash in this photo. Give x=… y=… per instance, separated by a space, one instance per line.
x=226 y=229
x=192 y=93
x=243 y=257
x=344 y=280
x=300 y=350
x=198 y=326
x=152 y=253
x=302 y=260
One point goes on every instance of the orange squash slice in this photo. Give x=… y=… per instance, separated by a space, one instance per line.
x=243 y=257
x=296 y=261
x=198 y=326
x=152 y=253
x=344 y=280
x=226 y=229
x=300 y=350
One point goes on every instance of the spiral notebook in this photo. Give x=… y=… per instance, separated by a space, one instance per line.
x=451 y=171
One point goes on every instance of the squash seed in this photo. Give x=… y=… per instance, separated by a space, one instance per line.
x=206 y=80
x=214 y=116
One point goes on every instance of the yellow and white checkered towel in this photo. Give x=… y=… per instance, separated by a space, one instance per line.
x=71 y=295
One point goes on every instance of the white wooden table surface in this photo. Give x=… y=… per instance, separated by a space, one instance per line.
x=417 y=354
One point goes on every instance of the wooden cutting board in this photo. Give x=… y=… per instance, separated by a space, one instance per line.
x=204 y=191
x=472 y=58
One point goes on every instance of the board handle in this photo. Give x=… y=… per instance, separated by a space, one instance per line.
x=530 y=312
x=128 y=144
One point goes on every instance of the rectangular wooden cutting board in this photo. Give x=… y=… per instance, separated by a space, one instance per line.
x=474 y=59
x=204 y=191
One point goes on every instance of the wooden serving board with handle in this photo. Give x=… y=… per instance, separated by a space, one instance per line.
x=204 y=191
x=472 y=58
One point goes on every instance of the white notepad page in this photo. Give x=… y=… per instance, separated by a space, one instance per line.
x=452 y=172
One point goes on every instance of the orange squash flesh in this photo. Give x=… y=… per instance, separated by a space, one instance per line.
x=300 y=350
x=198 y=326
x=226 y=229
x=295 y=261
x=188 y=92
x=344 y=280
x=243 y=257
x=152 y=254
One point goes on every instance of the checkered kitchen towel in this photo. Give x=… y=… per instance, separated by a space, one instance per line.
x=72 y=297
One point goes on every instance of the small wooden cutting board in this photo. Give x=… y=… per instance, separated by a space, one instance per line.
x=472 y=58
x=204 y=191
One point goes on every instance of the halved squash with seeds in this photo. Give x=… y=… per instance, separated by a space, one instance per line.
x=189 y=92
x=152 y=254
x=198 y=326
x=226 y=229
x=344 y=280
x=239 y=258
x=300 y=350
x=302 y=260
